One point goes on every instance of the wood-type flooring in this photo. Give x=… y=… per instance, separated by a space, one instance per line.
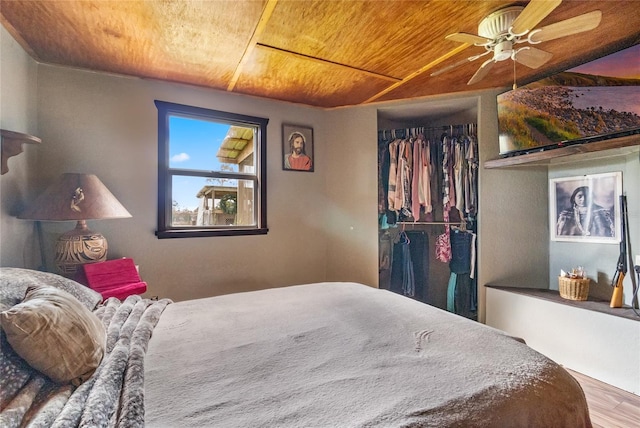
x=609 y=407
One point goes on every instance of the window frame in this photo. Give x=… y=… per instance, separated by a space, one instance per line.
x=165 y=173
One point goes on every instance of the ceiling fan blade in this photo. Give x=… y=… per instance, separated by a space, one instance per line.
x=459 y=63
x=482 y=71
x=468 y=38
x=532 y=14
x=532 y=57
x=570 y=26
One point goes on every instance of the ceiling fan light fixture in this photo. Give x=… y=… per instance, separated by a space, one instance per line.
x=503 y=50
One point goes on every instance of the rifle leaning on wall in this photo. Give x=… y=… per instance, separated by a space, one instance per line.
x=621 y=268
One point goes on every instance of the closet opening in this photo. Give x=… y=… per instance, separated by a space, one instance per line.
x=428 y=208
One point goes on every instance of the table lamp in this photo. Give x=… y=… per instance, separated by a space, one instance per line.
x=77 y=197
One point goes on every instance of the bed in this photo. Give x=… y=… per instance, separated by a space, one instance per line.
x=315 y=355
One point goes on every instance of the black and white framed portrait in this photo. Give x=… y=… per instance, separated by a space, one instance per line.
x=586 y=208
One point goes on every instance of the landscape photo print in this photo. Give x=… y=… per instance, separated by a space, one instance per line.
x=596 y=100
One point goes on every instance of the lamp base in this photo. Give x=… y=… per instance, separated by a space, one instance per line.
x=79 y=246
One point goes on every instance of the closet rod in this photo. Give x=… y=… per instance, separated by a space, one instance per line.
x=432 y=128
x=432 y=222
x=415 y=130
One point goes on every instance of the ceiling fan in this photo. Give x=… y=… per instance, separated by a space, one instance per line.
x=500 y=32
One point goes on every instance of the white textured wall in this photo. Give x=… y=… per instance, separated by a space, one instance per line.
x=18 y=87
x=513 y=215
x=513 y=224
x=107 y=125
x=352 y=196
x=598 y=345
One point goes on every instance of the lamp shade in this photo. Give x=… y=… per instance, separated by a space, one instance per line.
x=78 y=197
x=75 y=197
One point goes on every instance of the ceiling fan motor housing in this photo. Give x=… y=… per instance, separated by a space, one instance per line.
x=497 y=24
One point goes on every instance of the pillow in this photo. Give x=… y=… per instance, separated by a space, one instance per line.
x=53 y=332
x=14 y=283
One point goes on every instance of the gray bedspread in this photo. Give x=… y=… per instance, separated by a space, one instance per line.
x=346 y=355
x=113 y=396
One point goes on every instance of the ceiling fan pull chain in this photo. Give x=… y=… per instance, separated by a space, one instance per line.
x=514 y=76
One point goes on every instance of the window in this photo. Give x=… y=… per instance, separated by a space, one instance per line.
x=211 y=172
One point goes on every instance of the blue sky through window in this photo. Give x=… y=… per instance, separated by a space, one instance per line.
x=193 y=145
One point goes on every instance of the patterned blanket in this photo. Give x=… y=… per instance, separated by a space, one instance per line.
x=114 y=395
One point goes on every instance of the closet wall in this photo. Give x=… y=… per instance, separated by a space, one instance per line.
x=431 y=275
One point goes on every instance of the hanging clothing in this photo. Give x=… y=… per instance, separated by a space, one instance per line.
x=426 y=177
x=385 y=259
x=420 y=259
x=410 y=170
x=393 y=177
x=443 y=241
x=459 y=292
x=402 y=272
x=462 y=290
x=446 y=188
x=408 y=277
x=460 y=252
x=383 y=177
x=472 y=173
x=403 y=181
x=459 y=171
x=415 y=179
x=418 y=251
x=451 y=292
x=411 y=167
x=472 y=271
x=420 y=172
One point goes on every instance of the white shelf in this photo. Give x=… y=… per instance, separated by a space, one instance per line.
x=579 y=152
x=12 y=145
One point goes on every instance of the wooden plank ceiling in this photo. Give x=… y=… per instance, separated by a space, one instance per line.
x=314 y=52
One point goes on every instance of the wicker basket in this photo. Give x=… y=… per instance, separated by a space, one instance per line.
x=573 y=288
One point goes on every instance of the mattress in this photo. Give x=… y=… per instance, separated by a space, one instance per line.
x=345 y=355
